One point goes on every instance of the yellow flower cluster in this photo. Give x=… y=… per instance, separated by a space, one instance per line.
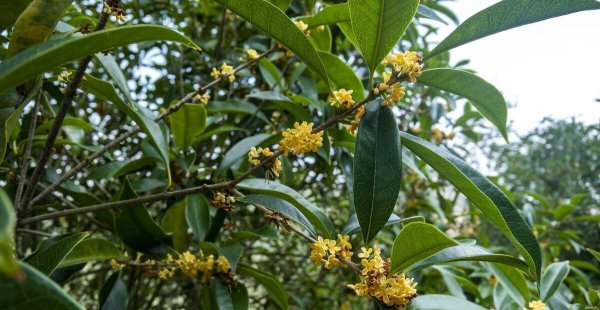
x=257 y=155
x=537 y=305
x=395 y=290
x=116 y=10
x=328 y=252
x=202 y=99
x=360 y=112
x=342 y=99
x=222 y=201
x=191 y=265
x=227 y=71
x=65 y=77
x=394 y=92
x=302 y=26
x=300 y=139
x=407 y=63
x=252 y=54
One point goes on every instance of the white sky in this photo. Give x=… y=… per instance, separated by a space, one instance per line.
x=550 y=68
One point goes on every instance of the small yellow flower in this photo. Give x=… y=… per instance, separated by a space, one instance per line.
x=223 y=264
x=257 y=155
x=437 y=134
x=302 y=26
x=394 y=94
x=165 y=274
x=226 y=71
x=408 y=63
x=342 y=99
x=65 y=77
x=252 y=54
x=116 y=265
x=300 y=139
x=215 y=73
x=202 y=99
x=537 y=305
x=320 y=28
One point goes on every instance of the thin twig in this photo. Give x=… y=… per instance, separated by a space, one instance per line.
x=58 y=120
x=33 y=232
x=27 y=153
x=172 y=109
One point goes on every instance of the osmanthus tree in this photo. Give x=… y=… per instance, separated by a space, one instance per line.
x=138 y=174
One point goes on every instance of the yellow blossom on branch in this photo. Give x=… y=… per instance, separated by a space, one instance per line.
x=360 y=112
x=341 y=99
x=407 y=63
x=328 y=252
x=302 y=26
x=252 y=54
x=226 y=71
x=537 y=305
x=258 y=155
x=202 y=99
x=300 y=139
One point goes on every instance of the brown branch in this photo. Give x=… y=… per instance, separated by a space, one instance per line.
x=27 y=153
x=70 y=93
x=172 y=109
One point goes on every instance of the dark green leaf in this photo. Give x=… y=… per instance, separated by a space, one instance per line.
x=280 y=206
x=352 y=227
x=241 y=107
x=268 y=18
x=281 y=4
x=269 y=96
x=188 y=122
x=137 y=229
x=378 y=26
x=197 y=215
x=416 y=242
x=552 y=278
x=483 y=95
x=333 y=14
x=342 y=76
x=8 y=263
x=442 y=302
x=276 y=291
x=509 y=14
x=11 y=9
x=174 y=223
x=51 y=252
x=377 y=169
x=113 y=294
x=427 y=12
x=314 y=214
x=35 y=292
x=91 y=249
x=484 y=194
x=513 y=281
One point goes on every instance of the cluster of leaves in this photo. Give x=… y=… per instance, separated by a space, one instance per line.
x=124 y=150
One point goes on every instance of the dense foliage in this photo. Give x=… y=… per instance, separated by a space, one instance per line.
x=235 y=154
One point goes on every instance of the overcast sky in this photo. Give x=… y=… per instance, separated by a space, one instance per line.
x=550 y=68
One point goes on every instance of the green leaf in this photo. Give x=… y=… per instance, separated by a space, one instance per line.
x=427 y=12
x=91 y=249
x=442 y=302
x=465 y=252
x=188 y=122
x=352 y=227
x=268 y=18
x=281 y=4
x=552 y=278
x=484 y=194
x=174 y=223
x=239 y=297
x=513 y=281
x=141 y=116
x=269 y=96
x=36 y=291
x=119 y=168
x=322 y=41
x=222 y=295
x=241 y=149
x=137 y=229
x=36 y=23
x=596 y=254
x=280 y=206
x=342 y=76
x=483 y=95
x=217 y=131
x=9 y=119
x=11 y=9
x=509 y=14
x=332 y=14
x=113 y=294
x=378 y=26
x=8 y=262
x=314 y=214
x=52 y=251
x=45 y=56
x=197 y=215
x=233 y=106
x=377 y=169
x=276 y=291
x=416 y=242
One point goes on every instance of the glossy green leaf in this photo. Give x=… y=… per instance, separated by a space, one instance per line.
x=332 y=14
x=269 y=96
x=45 y=56
x=197 y=215
x=36 y=23
x=322 y=40
x=377 y=169
x=240 y=107
x=34 y=291
x=52 y=251
x=378 y=26
x=596 y=254
x=11 y=9
x=465 y=252
x=222 y=295
x=280 y=206
x=352 y=227
x=241 y=149
x=509 y=14
x=113 y=294
x=268 y=18
x=217 y=131
x=188 y=122
x=483 y=95
x=442 y=302
x=276 y=291
x=513 y=281
x=342 y=76
x=427 y=12
x=281 y=4
x=484 y=194
x=416 y=242
x=141 y=116
x=174 y=223
x=314 y=214
x=91 y=249
x=239 y=297
x=552 y=278
x=137 y=229
x=8 y=262
x=9 y=119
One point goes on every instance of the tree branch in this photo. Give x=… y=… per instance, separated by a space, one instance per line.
x=27 y=153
